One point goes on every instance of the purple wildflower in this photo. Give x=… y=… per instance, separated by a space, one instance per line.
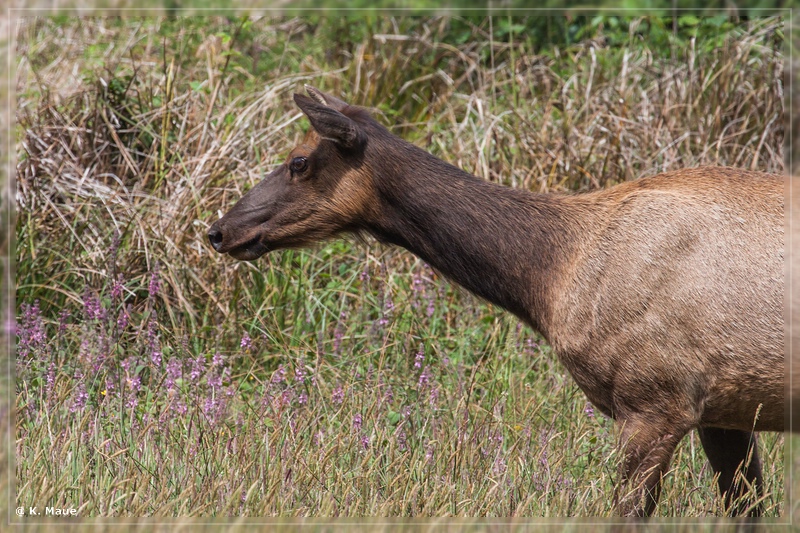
x=433 y=397
x=365 y=441
x=388 y=396
x=63 y=320
x=338 y=395
x=246 y=342
x=300 y=374
x=424 y=377
x=30 y=329
x=544 y=440
x=357 y=421
x=417 y=288
x=429 y=452
x=279 y=376
x=135 y=383
x=589 y=410
x=115 y=241
x=417 y=283
x=122 y=319
x=210 y=407
x=302 y=399
x=79 y=402
x=499 y=466
x=110 y=386
x=420 y=357
x=388 y=307
x=174 y=370
x=85 y=352
x=132 y=402
x=198 y=366
x=214 y=380
x=116 y=287
x=286 y=397
x=92 y=307
x=530 y=346
x=155 y=281
x=51 y=378
x=337 y=339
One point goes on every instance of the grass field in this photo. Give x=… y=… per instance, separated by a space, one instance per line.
x=157 y=378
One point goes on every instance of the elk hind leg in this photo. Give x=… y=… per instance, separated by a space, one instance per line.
x=733 y=455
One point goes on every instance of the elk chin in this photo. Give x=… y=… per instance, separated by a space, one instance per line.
x=249 y=251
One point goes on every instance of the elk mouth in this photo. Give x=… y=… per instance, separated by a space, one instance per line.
x=250 y=250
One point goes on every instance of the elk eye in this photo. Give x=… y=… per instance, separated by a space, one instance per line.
x=298 y=164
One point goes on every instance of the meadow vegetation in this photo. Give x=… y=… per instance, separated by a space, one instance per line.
x=157 y=378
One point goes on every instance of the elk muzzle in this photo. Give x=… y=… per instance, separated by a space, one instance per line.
x=246 y=248
x=242 y=232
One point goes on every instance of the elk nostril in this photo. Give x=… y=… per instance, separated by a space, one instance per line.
x=215 y=238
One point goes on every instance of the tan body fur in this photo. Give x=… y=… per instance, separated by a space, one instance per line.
x=703 y=255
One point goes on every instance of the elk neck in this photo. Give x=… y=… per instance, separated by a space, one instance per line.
x=508 y=246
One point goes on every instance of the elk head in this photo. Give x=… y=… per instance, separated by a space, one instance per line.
x=323 y=187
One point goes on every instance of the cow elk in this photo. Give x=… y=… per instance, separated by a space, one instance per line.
x=662 y=296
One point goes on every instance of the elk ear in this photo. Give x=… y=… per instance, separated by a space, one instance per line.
x=325 y=98
x=330 y=123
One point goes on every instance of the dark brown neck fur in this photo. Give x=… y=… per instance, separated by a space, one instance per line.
x=505 y=245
